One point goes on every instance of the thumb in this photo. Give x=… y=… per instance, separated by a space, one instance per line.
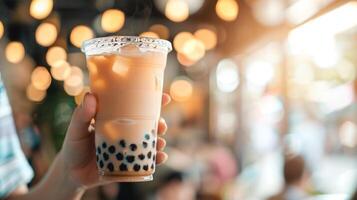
x=81 y=118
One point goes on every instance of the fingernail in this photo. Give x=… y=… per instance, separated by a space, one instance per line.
x=84 y=100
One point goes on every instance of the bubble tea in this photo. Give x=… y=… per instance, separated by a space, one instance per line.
x=126 y=75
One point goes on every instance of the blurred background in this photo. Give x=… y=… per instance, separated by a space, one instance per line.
x=264 y=91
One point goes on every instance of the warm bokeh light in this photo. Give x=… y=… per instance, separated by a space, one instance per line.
x=348 y=134
x=46 y=34
x=177 y=10
x=40 y=9
x=112 y=20
x=34 y=94
x=55 y=54
x=181 y=90
x=15 y=52
x=41 y=78
x=79 y=34
x=208 y=37
x=79 y=98
x=149 y=34
x=269 y=12
x=60 y=70
x=183 y=60
x=161 y=30
x=180 y=40
x=73 y=90
x=73 y=84
x=1 y=29
x=227 y=76
x=193 y=49
x=227 y=9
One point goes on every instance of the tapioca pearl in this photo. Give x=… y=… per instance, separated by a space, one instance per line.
x=104 y=145
x=119 y=156
x=149 y=154
x=110 y=167
x=101 y=164
x=152 y=166
x=123 y=167
x=99 y=150
x=97 y=157
x=111 y=149
x=105 y=156
x=154 y=157
x=136 y=167
x=153 y=131
x=122 y=143
x=146 y=167
x=153 y=144
x=133 y=147
x=145 y=144
x=147 y=136
x=130 y=158
x=141 y=156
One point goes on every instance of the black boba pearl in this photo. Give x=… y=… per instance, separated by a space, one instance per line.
x=153 y=144
x=136 y=167
x=97 y=157
x=130 y=159
x=153 y=131
x=119 y=156
x=123 y=167
x=133 y=147
x=122 y=143
x=105 y=156
x=111 y=149
x=104 y=145
x=147 y=136
x=145 y=144
x=146 y=167
x=154 y=157
x=141 y=156
x=152 y=166
x=149 y=154
x=110 y=166
x=99 y=150
x=101 y=164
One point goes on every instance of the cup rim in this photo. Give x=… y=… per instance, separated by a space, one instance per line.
x=112 y=44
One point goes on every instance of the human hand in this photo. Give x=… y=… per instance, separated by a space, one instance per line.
x=78 y=156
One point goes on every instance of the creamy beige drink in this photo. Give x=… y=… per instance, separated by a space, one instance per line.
x=126 y=76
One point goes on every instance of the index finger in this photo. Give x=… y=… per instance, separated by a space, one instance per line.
x=165 y=99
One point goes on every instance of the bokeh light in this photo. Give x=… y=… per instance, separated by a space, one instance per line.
x=1 y=29
x=259 y=72
x=161 y=30
x=208 y=37
x=79 y=98
x=79 y=34
x=41 y=78
x=112 y=20
x=180 y=40
x=55 y=54
x=15 y=52
x=193 y=49
x=60 y=70
x=348 y=134
x=181 y=89
x=183 y=60
x=269 y=12
x=177 y=10
x=34 y=94
x=227 y=9
x=40 y=9
x=149 y=34
x=227 y=75
x=73 y=84
x=46 y=34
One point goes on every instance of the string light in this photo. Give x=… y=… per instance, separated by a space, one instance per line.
x=40 y=78
x=1 y=29
x=60 y=70
x=227 y=10
x=15 y=52
x=149 y=34
x=79 y=34
x=208 y=37
x=73 y=84
x=181 y=90
x=34 y=94
x=161 y=30
x=55 y=54
x=180 y=40
x=112 y=20
x=183 y=60
x=193 y=49
x=46 y=34
x=177 y=10
x=40 y=9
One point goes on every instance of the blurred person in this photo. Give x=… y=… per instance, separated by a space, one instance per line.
x=294 y=173
x=73 y=170
x=174 y=187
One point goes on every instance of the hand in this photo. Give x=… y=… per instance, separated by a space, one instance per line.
x=78 y=151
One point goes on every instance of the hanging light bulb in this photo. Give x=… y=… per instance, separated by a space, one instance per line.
x=40 y=9
x=112 y=20
x=79 y=34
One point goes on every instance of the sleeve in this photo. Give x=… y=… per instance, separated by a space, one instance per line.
x=14 y=168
